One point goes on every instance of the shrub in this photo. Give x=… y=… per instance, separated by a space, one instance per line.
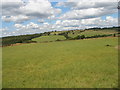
x=58 y=40
x=83 y=36
x=80 y=37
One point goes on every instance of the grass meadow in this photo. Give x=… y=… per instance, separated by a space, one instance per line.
x=87 y=63
x=48 y=38
x=92 y=32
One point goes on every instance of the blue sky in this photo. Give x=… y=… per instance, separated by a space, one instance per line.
x=37 y=16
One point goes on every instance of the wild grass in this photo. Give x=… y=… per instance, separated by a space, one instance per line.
x=92 y=32
x=48 y=38
x=69 y=64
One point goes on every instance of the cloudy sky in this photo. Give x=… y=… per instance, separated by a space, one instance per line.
x=36 y=16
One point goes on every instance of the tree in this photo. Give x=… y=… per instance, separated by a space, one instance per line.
x=83 y=36
x=114 y=35
x=78 y=37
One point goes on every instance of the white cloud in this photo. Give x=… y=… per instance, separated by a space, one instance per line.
x=19 y=18
x=41 y=9
x=11 y=7
x=91 y=22
x=20 y=26
x=58 y=22
x=3 y=29
x=98 y=22
x=20 y=11
x=88 y=9
x=41 y=20
x=65 y=24
x=70 y=23
x=31 y=27
x=86 y=13
x=83 y=4
x=46 y=23
x=92 y=0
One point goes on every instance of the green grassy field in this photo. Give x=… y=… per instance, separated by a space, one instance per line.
x=0 y=67
x=52 y=37
x=92 y=32
x=67 y=64
x=48 y=38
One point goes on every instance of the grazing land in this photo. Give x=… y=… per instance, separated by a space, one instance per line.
x=87 y=63
x=60 y=36
x=93 y=32
x=49 y=38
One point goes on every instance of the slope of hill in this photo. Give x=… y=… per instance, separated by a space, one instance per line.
x=60 y=35
x=49 y=38
x=88 y=63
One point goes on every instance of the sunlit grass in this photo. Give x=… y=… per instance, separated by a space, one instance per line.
x=66 y=64
x=92 y=32
x=48 y=38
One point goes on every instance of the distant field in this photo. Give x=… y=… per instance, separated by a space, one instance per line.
x=49 y=38
x=92 y=32
x=68 y=64
x=52 y=37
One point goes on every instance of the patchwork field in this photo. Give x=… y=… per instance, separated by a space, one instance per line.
x=92 y=32
x=88 y=63
x=55 y=37
x=48 y=38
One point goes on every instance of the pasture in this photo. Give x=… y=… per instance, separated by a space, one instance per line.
x=92 y=32
x=87 y=63
x=49 y=38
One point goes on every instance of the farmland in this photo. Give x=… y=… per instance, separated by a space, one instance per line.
x=48 y=38
x=87 y=63
x=92 y=32
x=54 y=36
x=52 y=44
x=60 y=36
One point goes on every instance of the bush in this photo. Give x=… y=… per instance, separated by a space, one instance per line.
x=77 y=37
x=80 y=37
x=97 y=36
x=58 y=40
x=83 y=36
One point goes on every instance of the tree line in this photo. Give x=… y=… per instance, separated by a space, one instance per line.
x=6 y=41
x=85 y=37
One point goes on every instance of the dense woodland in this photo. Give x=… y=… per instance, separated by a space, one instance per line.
x=6 y=41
